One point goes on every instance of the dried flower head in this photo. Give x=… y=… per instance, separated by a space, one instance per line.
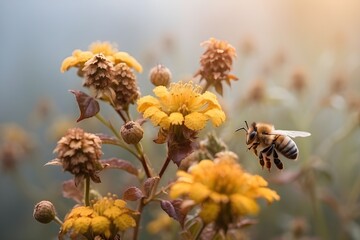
x=256 y=92
x=131 y=132
x=15 y=144
x=79 y=57
x=298 y=80
x=160 y=75
x=44 y=212
x=99 y=77
x=105 y=218
x=79 y=153
x=216 y=63
x=126 y=88
x=222 y=189
x=181 y=104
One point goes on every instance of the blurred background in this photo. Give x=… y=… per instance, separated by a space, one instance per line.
x=298 y=64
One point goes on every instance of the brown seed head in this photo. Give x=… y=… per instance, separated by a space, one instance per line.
x=44 y=212
x=160 y=75
x=131 y=132
x=256 y=92
x=79 y=153
x=99 y=75
x=298 y=80
x=125 y=87
x=216 y=62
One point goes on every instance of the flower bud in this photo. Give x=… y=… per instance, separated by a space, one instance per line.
x=44 y=212
x=160 y=75
x=132 y=132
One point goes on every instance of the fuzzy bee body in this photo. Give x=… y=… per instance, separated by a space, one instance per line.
x=270 y=142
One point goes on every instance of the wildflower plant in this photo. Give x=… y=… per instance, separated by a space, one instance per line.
x=211 y=193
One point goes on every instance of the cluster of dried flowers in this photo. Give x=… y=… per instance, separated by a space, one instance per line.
x=212 y=193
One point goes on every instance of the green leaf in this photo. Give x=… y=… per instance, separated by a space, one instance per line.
x=88 y=106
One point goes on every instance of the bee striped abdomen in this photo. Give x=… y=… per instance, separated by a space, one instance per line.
x=287 y=147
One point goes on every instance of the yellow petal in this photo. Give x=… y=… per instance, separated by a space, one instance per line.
x=211 y=99
x=100 y=225
x=243 y=205
x=195 y=121
x=67 y=225
x=161 y=91
x=176 y=118
x=150 y=112
x=146 y=102
x=178 y=189
x=217 y=116
x=129 y=60
x=198 y=192
x=81 y=224
x=209 y=212
x=124 y=221
x=158 y=117
x=268 y=194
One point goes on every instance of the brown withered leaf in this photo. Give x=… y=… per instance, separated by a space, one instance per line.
x=106 y=139
x=179 y=151
x=116 y=163
x=149 y=185
x=133 y=194
x=69 y=190
x=88 y=106
x=174 y=209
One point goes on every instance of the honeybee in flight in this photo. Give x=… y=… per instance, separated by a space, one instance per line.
x=270 y=141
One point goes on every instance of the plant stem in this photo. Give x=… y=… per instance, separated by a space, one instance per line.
x=200 y=231
x=143 y=160
x=138 y=219
x=166 y=163
x=87 y=191
x=57 y=220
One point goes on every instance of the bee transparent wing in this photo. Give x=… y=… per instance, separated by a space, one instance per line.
x=292 y=134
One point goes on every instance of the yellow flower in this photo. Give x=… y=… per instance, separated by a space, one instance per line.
x=181 y=104
x=105 y=217
x=222 y=189
x=79 y=57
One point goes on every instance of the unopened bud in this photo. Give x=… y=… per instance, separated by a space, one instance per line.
x=160 y=75
x=44 y=212
x=131 y=132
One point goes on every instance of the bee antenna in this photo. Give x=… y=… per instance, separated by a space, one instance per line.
x=247 y=126
x=241 y=129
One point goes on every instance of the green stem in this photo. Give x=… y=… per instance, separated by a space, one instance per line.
x=143 y=159
x=113 y=130
x=87 y=191
x=138 y=219
x=57 y=220
x=198 y=235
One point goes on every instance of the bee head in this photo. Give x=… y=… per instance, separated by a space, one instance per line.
x=250 y=132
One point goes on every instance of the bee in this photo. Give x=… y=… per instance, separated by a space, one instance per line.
x=271 y=142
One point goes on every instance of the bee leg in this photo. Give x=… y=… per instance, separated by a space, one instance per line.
x=261 y=160
x=267 y=152
x=254 y=147
x=277 y=161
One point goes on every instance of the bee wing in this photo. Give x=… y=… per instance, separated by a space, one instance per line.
x=290 y=133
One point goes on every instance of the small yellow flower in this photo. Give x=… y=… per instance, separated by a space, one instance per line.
x=79 y=57
x=181 y=104
x=222 y=189
x=105 y=217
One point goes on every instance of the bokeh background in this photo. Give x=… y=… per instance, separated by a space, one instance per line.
x=298 y=64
